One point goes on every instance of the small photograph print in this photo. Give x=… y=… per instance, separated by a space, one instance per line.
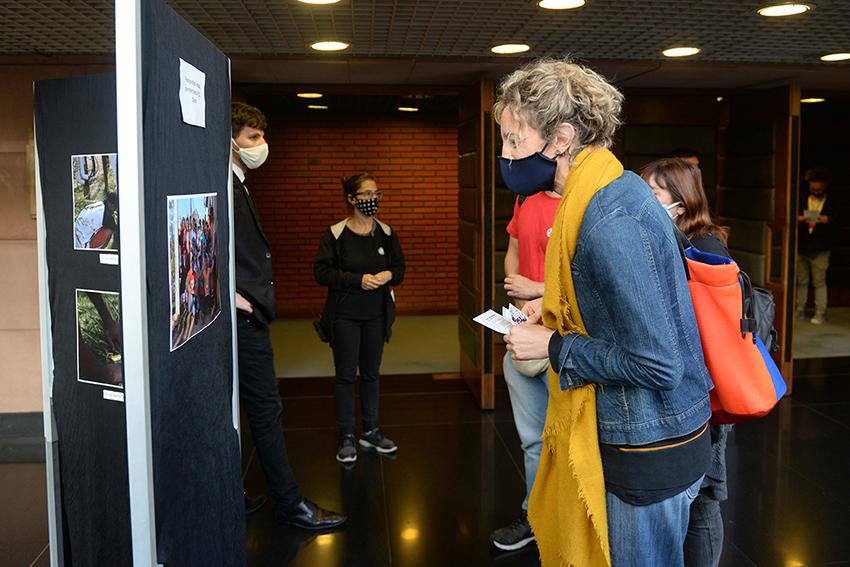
x=192 y=265
x=94 y=182
x=99 y=348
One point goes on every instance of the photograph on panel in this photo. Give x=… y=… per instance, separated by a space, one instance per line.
x=192 y=265
x=99 y=349
x=94 y=182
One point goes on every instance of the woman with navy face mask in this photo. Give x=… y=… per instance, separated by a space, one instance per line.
x=625 y=441
x=359 y=260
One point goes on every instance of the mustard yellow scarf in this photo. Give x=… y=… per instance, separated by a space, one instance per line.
x=567 y=504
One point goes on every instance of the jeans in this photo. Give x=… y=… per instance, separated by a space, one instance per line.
x=260 y=399
x=357 y=343
x=704 y=542
x=650 y=535
x=529 y=398
x=812 y=266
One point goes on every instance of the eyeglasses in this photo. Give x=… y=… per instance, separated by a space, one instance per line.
x=369 y=194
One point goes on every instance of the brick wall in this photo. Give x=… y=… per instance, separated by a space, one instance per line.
x=298 y=194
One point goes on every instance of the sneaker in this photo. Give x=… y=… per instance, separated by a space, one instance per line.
x=375 y=440
x=514 y=536
x=818 y=319
x=347 y=452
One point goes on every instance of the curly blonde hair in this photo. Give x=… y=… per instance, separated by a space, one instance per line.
x=548 y=92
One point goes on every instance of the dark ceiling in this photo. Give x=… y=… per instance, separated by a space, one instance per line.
x=441 y=42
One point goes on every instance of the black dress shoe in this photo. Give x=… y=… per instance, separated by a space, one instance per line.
x=310 y=516
x=254 y=504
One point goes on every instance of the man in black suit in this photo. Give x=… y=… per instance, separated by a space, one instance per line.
x=255 y=305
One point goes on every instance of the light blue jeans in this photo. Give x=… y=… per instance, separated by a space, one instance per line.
x=529 y=398
x=650 y=535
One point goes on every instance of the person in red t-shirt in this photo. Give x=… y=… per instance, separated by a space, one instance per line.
x=529 y=230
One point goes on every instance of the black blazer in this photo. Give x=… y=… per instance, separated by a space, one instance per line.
x=253 y=257
x=824 y=236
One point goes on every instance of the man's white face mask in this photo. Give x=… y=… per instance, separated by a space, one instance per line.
x=252 y=157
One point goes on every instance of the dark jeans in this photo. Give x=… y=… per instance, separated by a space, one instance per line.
x=357 y=344
x=704 y=541
x=260 y=398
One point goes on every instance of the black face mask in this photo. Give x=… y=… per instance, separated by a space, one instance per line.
x=529 y=175
x=368 y=207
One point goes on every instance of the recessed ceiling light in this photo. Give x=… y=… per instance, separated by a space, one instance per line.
x=812 y=99
x=329 y=45
x=408 y=109
x=309 y=95
x=779 y=9
x=510 y=48
x=317 y=107
x=680 y=51
x=560 y=4
x=318 y=1
x=835 y=57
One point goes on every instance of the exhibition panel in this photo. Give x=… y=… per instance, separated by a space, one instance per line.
x=186 y=149
x=76 y=143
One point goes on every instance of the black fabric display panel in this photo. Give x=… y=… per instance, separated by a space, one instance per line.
x=77 y=117
x=197 y=477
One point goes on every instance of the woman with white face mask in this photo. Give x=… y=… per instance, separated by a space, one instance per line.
x=359 y=260
x=678 y=186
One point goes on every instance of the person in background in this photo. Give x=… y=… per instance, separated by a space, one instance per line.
x=359 y=260
x=255 y=309
x=528 y=385
x=815 y=238
x=678 y=186
x=626 y=442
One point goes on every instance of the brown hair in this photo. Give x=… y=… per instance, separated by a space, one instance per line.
x=242 y=115
x=684 y=182
x=350 y=185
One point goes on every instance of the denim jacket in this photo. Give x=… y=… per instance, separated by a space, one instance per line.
x=644 y=347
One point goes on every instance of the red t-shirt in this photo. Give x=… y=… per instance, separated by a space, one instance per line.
x=531 y=225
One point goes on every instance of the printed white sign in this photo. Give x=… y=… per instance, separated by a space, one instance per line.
x=109 y=259
x=113 y=395
x=192 y=102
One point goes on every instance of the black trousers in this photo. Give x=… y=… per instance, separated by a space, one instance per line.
x=259 y=396
x=357 y=343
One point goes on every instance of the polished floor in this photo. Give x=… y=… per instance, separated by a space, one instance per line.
x=827 y=340
x=458 y=475
x=300 y=354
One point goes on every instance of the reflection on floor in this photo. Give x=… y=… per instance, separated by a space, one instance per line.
x=827 y=340
x=458 y=475
x=419 y=345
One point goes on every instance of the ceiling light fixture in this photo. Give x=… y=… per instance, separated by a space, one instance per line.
x=812 y=99
x=309 y=95
x=318 y=1
x=560 y=4
x=330 y=45
x=780 y=9
x=835 y=57
x=680 y=51
x=720 y=99
x=408 y=109
x=510 y=48
x=317 y=107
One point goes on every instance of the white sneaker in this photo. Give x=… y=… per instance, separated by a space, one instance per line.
x=818 y=319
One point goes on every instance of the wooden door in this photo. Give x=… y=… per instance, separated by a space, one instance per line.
x=757 y=197
x=475 y=238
